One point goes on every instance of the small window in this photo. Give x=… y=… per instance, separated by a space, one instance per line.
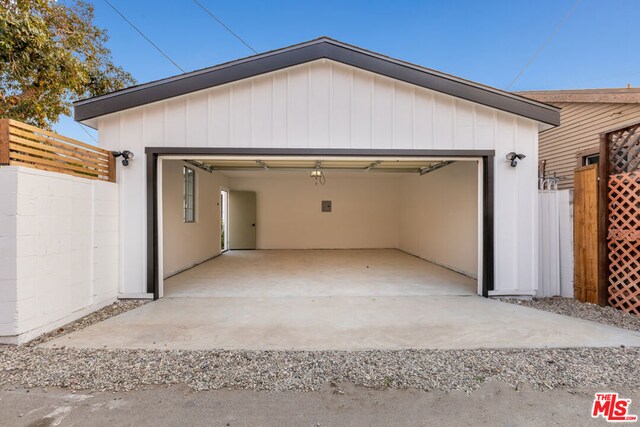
x=590 y=156
x=189 y=194
x=592 y=159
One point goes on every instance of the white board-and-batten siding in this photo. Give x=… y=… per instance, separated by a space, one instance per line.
x=325 y=104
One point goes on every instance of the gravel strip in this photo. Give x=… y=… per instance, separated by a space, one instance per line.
x=446 y=370
x=587 y=311
x=118 y=307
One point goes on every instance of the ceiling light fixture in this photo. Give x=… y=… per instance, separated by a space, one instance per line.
x=262 y=164
x=318 y=175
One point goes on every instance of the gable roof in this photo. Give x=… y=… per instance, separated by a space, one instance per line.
x=625 y=95
x=322 y=48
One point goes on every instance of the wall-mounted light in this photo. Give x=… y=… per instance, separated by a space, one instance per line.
x=513 y=158
x=126 y=156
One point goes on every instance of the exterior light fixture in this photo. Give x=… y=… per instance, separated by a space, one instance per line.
x=317 y=175
x=513 y=158
x=126 y=156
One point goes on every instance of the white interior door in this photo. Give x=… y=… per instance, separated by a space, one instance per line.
x=242 y=220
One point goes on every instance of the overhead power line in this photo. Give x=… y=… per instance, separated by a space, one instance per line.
x=87 y=132
x=224 y=26
x=547 y=41
x=145 y=37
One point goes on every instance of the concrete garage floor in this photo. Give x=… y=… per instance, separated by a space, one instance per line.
x=334 y=300
x=317 y=273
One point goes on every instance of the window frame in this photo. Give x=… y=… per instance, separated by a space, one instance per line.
x=188 y=195
x=582 y=155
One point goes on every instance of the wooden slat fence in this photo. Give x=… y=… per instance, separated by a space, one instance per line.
x=25 y=145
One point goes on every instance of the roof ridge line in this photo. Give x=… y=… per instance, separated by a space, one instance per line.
x=316 y=49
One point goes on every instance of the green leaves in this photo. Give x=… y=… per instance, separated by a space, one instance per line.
x=50 y=55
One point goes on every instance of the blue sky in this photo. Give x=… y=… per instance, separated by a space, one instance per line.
x=484 y=41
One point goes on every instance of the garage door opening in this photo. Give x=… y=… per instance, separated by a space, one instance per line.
x=322 y=226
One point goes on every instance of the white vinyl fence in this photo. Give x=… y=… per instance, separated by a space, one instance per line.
x=555 y=242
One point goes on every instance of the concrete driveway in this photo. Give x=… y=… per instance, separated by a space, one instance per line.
x=334 y=300
x=342 y=323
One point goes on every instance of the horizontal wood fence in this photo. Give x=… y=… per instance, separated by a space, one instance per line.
x=25 y=145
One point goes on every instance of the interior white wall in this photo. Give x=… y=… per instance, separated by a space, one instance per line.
x=439 y=217
x=328 y=105
x=187 y=244
x=365 y=209
x=58 y=250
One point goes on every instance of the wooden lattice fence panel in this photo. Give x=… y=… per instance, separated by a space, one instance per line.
x=624 y=242
x=621 y=153
x=624 y=150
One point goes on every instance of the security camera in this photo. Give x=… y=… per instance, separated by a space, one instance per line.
x=513 y=158
x=126 y=156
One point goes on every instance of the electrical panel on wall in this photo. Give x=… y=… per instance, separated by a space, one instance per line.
x=326 y=206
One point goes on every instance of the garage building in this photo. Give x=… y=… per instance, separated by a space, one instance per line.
x=323 y=169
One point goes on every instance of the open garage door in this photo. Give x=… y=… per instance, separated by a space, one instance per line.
x=427 y=209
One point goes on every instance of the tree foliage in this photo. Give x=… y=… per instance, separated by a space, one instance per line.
x=51 y=54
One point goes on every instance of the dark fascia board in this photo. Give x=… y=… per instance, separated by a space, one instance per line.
x=323 y=48
x=319 y=152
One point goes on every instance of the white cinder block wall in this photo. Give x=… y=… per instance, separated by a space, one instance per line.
x=188 y=244
x=8 y=250
x=58 y=250
x=324 y=104
x=364 y=212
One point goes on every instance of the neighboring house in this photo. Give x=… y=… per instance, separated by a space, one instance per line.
x=584 y=114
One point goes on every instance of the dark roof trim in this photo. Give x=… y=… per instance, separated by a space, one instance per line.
x=307 y=52
x=313 y=152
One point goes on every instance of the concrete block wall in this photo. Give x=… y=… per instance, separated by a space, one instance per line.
x=58 y=250
x=8 y=251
